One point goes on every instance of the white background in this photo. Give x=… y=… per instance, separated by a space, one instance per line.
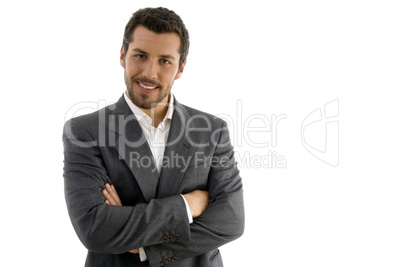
x=276 y=57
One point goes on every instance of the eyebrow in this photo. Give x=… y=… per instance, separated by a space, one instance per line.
x=145 y=53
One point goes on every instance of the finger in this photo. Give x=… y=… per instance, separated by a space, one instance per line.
x=113 y=193
x=135 y=251
x=108 y=197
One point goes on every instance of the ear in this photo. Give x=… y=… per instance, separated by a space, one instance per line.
x=180 y=72
x=122 y=57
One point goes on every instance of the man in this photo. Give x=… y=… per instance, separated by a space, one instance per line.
x=149 y=181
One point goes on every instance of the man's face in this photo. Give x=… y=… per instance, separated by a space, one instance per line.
x=151 y=65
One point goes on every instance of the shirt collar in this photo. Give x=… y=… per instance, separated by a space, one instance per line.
x=141 y=115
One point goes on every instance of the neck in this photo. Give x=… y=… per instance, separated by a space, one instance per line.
x=158 y=112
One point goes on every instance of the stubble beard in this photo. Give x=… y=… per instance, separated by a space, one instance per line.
x=141 y=100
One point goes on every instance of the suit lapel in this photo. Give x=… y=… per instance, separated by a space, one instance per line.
x=133 y=148
x=178 y=152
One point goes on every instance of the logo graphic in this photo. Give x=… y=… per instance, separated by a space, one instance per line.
x=320 y=133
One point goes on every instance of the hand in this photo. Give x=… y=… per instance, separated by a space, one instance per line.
x=135 y=251
x=197 y=201
x=111 y=196
x=113 y=199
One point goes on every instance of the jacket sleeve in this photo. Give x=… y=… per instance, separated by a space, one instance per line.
x=221 y=222
x=111 y=229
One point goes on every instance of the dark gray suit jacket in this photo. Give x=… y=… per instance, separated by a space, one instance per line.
x=108 y=146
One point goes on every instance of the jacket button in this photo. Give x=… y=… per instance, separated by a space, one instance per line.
x=174 y=258
x=168 y=260
x=164 y=239
x=176 y=236
x=163 y=262
x=170 y=238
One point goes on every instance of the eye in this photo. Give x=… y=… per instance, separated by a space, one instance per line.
x=139 y=56
x=165 y=62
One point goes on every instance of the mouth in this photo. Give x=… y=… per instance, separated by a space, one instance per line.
x=147 y=88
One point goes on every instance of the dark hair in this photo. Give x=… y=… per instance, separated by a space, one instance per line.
x=159 y=20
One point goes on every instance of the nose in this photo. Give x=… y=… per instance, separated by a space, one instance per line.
x=150 y=69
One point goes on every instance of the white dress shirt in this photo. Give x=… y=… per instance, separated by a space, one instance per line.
x=157 y=139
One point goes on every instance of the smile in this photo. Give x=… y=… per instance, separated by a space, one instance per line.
x=146 y=87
